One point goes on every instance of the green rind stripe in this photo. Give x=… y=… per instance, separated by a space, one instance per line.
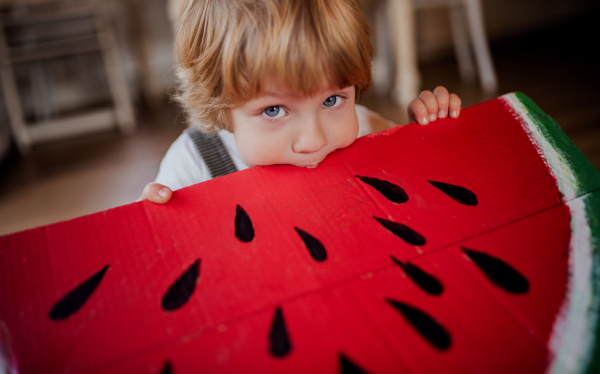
x=576 y=177
x=592 y=207
x=586 y=176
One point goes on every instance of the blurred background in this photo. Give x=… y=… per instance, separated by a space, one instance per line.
x=85 y=110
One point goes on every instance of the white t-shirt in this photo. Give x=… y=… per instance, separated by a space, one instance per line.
x=182 y=166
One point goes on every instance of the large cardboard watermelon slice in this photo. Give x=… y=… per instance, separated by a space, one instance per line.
x=467 y=246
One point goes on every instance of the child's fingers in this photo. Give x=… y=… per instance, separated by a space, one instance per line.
x=454 y=106
x=443 y=101
x=418 y=112
x=431 y=104
x=157 y=193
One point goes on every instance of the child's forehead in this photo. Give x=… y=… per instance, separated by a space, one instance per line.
x=278 y=88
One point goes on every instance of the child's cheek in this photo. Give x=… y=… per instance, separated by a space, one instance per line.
x=248 y=156
x=349 y=130
x=354 y=133
x=245 y=159
x=256 y=153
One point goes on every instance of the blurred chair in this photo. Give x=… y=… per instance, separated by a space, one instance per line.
x=468 y=33
x=173 y=9
x=68 y=36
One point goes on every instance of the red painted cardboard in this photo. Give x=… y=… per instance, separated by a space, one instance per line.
x=331 y=309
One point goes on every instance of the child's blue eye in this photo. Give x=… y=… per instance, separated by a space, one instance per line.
x=274 y=112
x=332 y=101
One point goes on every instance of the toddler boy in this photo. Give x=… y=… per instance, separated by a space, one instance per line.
x=277 y=82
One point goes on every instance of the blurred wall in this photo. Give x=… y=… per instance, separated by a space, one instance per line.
x=504 y=18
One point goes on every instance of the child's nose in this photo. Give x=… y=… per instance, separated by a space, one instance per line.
x=311 y=137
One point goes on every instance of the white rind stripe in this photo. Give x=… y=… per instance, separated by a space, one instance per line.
x=572 y=334
x=566 y=180
x=573 y=330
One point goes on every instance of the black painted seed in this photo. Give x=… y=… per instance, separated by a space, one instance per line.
x=243 y=225
x=458 y=193
x=391 y=191
x=167 y=368
x=315 y=247
x=182 y=289
x=74 y=300
x=349 y=367
x=499 y=272
x=279 y=340
x=402 y=231
x=426 y=326
x=424 y=280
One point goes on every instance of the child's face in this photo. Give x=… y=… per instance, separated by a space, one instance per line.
x=281 y=126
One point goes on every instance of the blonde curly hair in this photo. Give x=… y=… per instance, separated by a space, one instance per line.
x=228 y=50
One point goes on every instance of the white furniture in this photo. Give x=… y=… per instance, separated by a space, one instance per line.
x=468 y=33
x=101 y=40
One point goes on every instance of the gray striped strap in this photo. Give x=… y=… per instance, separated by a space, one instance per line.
x=213 y=152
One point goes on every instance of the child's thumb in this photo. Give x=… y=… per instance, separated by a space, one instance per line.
x=157 y=193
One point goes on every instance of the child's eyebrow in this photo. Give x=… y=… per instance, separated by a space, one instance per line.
x=270 y=94
x=279 y=95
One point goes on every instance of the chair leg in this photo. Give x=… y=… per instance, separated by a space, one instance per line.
x=11 y=97
x=402 y=24
x=41 y=91
x=152 y=92
x=487 y=73
x=115 y=72
x=383 y=60
x=461 y=43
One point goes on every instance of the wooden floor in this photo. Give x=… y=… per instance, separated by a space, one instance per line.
x=556 y=67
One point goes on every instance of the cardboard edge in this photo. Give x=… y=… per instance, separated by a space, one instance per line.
x=593 y=217
x=575 y=339
x=575 y=335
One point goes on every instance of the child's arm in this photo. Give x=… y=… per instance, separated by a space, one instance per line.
x=430 y=106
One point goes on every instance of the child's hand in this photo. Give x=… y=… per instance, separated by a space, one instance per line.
x=433 y=105
x=157 y=193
